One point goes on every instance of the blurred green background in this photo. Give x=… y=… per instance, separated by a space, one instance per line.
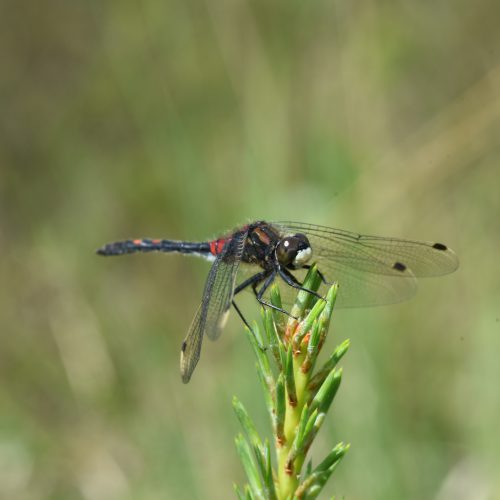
x=184 y=118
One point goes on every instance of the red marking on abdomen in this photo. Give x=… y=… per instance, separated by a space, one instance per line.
x=137 y=242
x=155 y=242
x=216 y=246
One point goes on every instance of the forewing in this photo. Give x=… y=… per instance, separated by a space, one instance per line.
x=372 y=270
x=216 y=302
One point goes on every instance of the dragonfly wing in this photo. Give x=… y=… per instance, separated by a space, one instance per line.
x=372 y=270
x=216 y=302
x=356 y=288
x=191 y=346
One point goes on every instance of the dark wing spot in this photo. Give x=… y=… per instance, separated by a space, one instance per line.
x=439 y=246
x=183 y=348
x=399 y=266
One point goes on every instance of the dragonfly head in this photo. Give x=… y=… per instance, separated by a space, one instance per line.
x=293 y=251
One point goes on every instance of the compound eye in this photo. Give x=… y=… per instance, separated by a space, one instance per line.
x=294 y=251
x=286 y=250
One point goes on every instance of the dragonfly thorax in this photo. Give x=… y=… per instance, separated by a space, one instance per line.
x=294 y=251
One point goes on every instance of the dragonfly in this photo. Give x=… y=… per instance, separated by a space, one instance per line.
x=370 y=270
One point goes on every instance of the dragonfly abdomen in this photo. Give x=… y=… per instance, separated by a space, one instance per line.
x=155 y=245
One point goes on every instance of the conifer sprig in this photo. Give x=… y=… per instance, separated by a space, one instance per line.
x=297 y=398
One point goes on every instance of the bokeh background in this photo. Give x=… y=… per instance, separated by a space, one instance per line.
x=182 y=119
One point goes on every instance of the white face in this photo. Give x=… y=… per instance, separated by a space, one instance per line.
x=302 y=257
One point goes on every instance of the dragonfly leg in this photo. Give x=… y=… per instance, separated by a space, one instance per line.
x=320 y=274
x=291 y=280
x=253 y=281
x=260 y=293
x=240 y=314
